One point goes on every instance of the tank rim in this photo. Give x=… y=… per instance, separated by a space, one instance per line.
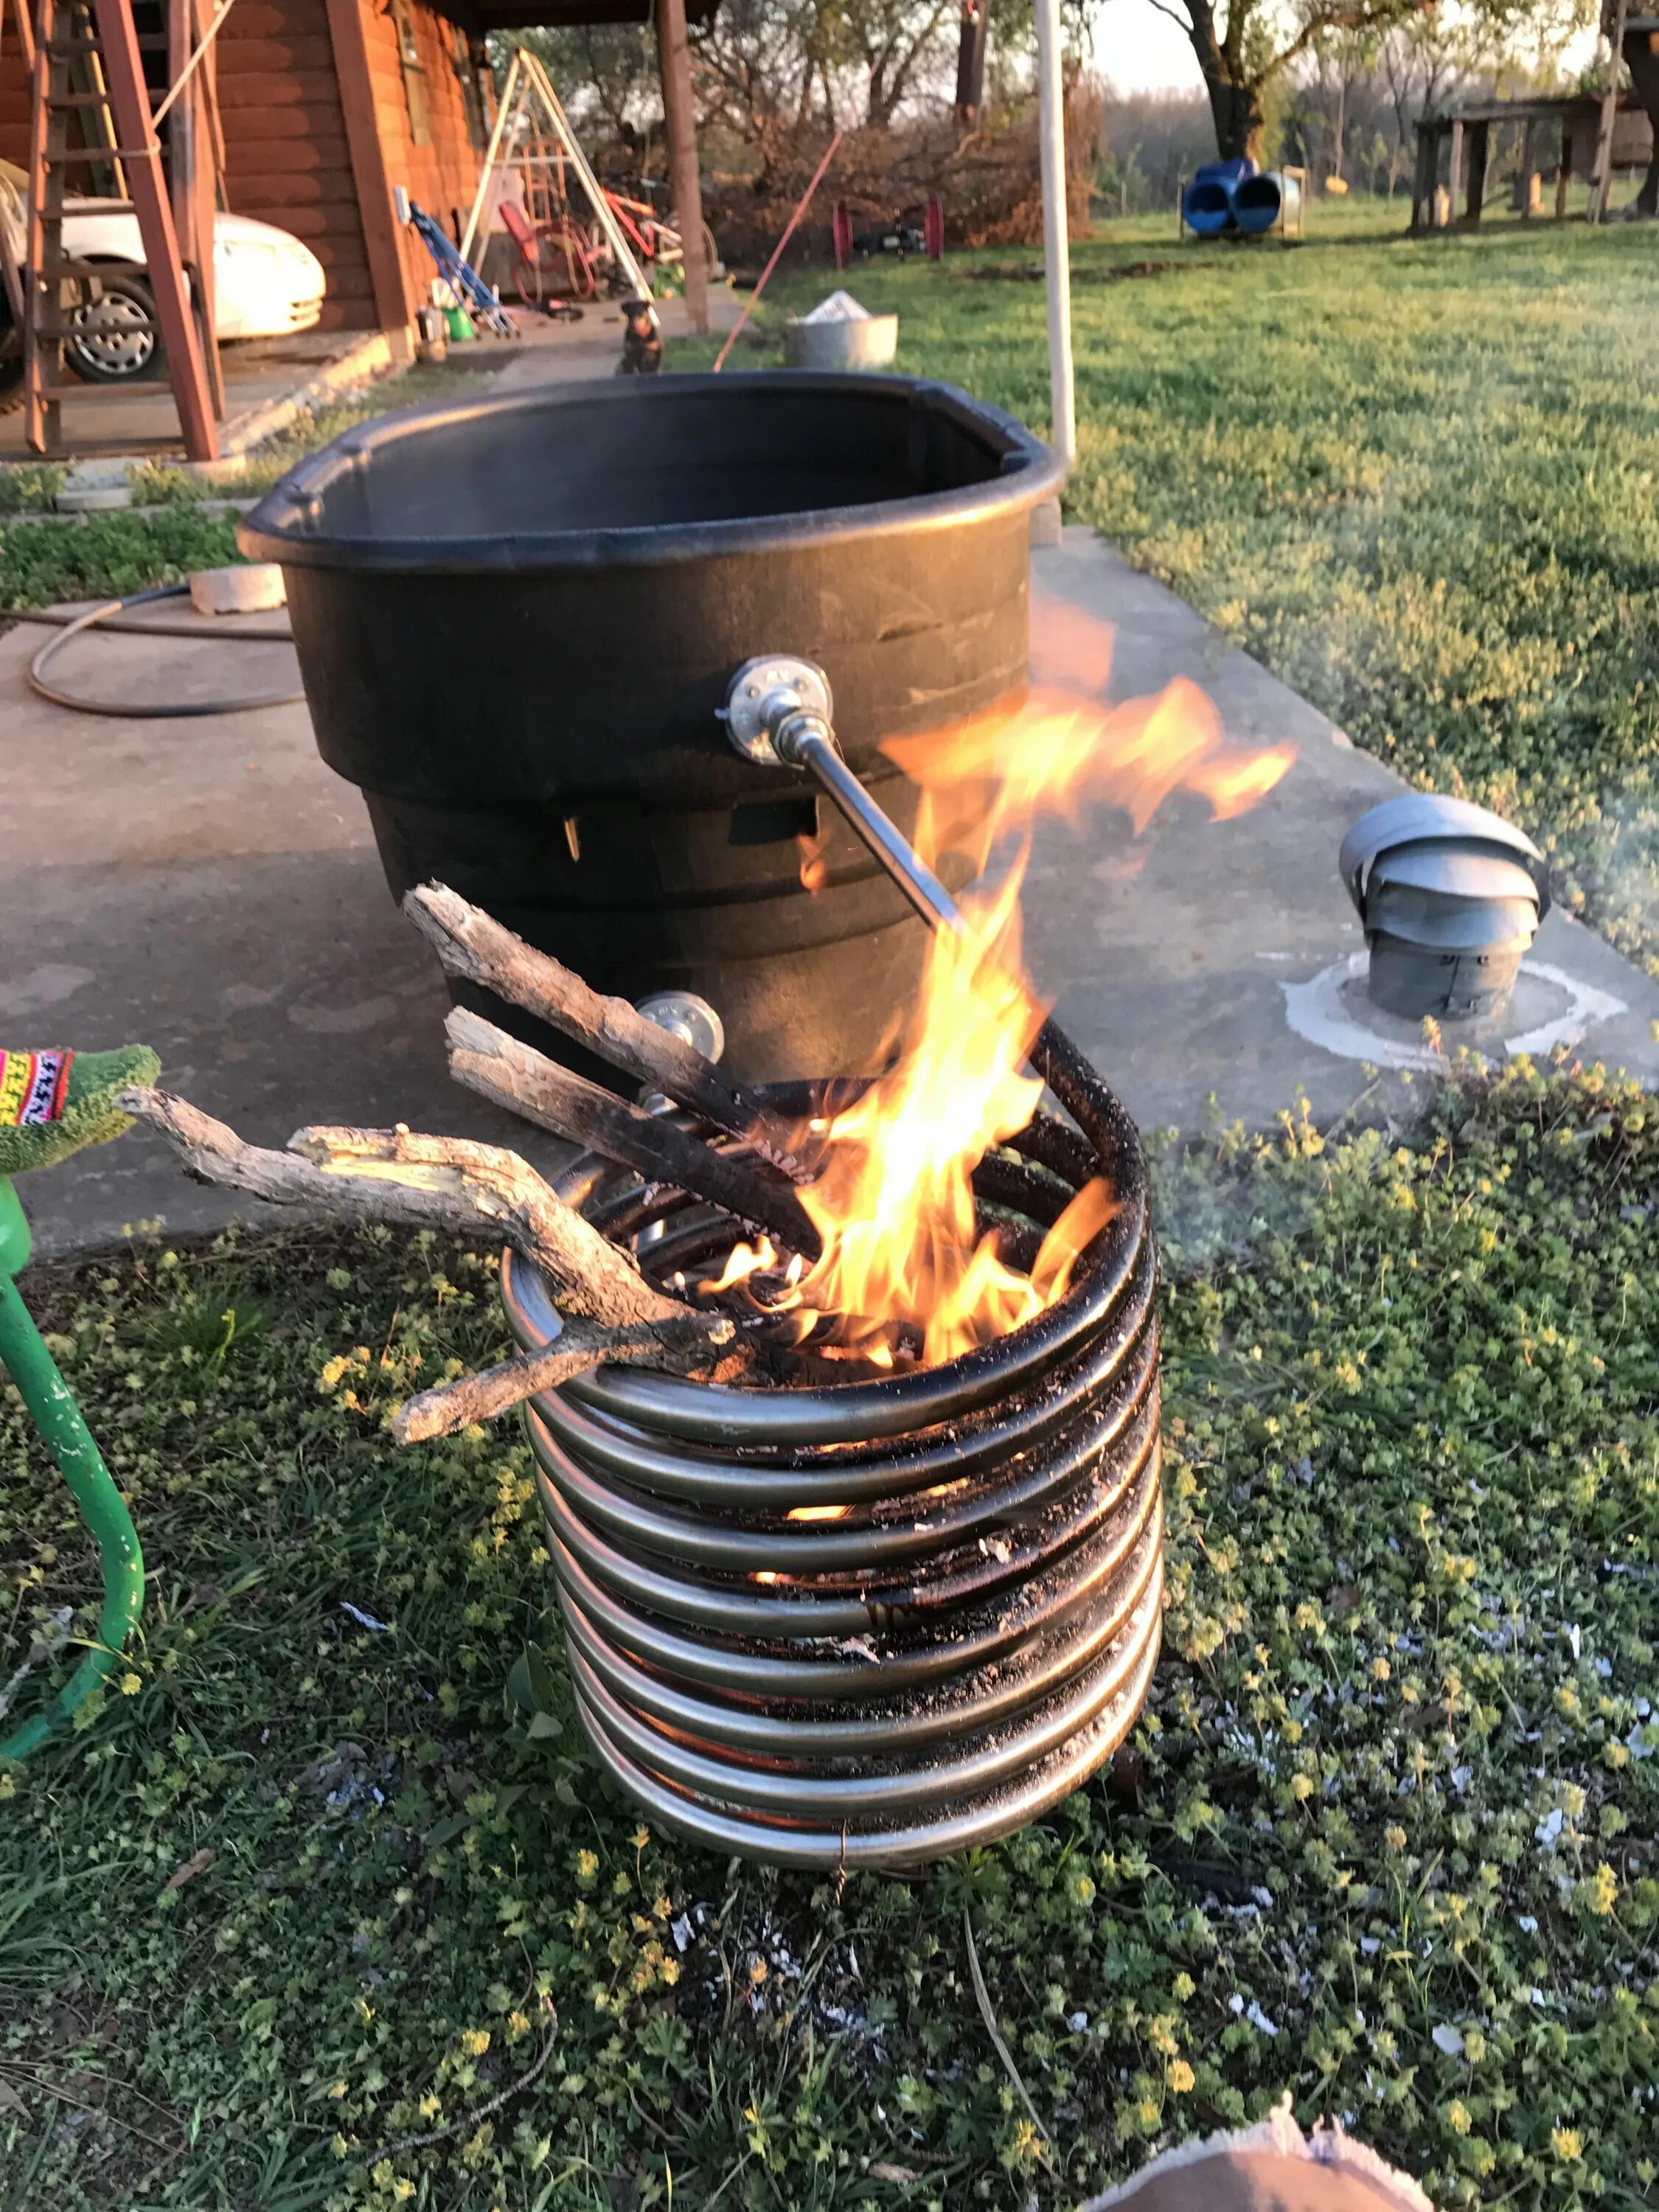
x=286 y=527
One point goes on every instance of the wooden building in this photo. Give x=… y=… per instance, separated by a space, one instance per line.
x=326 y=106
x=1559 y=137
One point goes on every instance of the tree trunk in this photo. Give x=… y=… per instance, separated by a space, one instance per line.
x=680 y=129
x=1236 y=109
x=1342 y=119
x=971 y=61
x=1643 y=66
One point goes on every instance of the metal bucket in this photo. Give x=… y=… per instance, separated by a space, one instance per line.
x=868 y=342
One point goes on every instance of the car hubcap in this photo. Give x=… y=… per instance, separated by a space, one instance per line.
x=114 y=335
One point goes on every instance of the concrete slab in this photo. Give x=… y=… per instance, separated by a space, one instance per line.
x=1179 y=958
x=209 y=887
x=145 y=420
x=551 y=352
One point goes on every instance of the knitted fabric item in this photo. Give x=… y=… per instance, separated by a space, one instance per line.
x=53 y=1102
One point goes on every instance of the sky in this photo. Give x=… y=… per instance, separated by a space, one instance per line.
x=1141 y=50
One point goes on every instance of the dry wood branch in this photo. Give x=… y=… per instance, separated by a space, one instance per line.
x=478 y=949
x=589 y=1274
x=428 y=1182
x=681 y=1347
x=515 y=1075
x=468 y=2121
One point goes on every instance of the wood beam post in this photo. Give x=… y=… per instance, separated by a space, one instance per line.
x=1423 y=177
x=1524 y=197
x=191 y=172
x=394 y=299
x=1454 y=168
x=679 y=117
x=1601 y=181
x=19 y=10
x=1479 y=149
x=141 y=157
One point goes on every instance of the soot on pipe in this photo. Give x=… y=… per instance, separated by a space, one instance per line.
x=868 y=1623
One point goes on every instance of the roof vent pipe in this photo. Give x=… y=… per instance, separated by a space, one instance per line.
x=1451 y=897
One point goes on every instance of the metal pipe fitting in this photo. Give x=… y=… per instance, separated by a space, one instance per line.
x=778 y=713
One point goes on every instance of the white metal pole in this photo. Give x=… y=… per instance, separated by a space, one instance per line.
x=1056 y=237
x=510 y=90
x=590 y=184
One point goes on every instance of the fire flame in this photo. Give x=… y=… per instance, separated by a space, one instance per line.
x=813 y=865
x=893 y=1201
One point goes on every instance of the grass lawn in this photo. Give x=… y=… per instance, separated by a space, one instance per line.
x=331 y=1864
x=44 y=562
x=1417 y=479
x=326 y=1905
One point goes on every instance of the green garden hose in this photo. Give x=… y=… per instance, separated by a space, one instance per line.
x=54 y=1413
x=52 y=1103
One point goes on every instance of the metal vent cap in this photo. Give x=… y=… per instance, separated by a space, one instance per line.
x=1450 y=896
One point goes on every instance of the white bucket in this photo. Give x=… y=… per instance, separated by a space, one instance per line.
x=869 y=342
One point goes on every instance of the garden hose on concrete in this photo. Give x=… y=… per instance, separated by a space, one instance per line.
x=51 y=1103
x=159 y=710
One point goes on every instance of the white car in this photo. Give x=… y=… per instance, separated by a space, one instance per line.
x=266 y=284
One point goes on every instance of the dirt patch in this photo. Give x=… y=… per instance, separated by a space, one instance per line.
x=1030 y=272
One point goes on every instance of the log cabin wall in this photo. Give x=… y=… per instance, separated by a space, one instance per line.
x=14 y=97
x=286 y=155
x=294 y=156
x=434 y=105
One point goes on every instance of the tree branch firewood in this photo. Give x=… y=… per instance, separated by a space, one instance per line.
x=675 y=1347
x=516 y=1076
x=477 y=949
x=428 y=1182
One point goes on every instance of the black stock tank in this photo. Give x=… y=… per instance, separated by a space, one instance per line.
x=516 y=618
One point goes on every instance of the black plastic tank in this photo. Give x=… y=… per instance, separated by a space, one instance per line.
x=516 y=618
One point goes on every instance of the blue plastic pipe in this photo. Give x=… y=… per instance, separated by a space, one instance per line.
x=1262 y=203
x=1207 y=202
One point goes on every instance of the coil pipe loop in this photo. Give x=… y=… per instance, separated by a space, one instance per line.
x=868 y=1623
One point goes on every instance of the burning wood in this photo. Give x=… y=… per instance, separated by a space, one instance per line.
x=477 y=949
x=894 y=1200
x=515 y=1075
x=871 y=1233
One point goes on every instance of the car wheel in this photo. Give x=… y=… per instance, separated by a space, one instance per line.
x=11 y=358
x=115 y=340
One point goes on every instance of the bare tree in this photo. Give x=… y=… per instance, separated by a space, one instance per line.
x=891 y=43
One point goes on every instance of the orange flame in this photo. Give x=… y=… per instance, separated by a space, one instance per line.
x=813 y=865
x=894 y=1202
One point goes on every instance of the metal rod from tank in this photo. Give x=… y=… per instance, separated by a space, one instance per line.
x=806 y=743
x=779 y=712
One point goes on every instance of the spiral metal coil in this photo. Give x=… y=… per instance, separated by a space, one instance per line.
x=945 y=1658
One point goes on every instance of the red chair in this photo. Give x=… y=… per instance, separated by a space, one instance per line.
x=541 y=253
